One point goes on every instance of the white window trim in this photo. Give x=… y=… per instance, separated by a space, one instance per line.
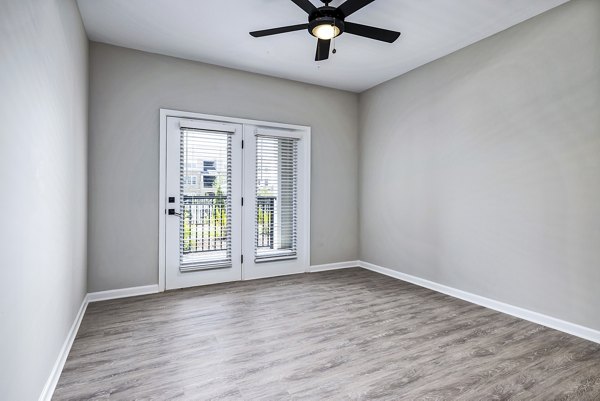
x=162 y=197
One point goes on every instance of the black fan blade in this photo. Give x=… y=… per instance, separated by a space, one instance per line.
x=351 y=6
x=275 y=31
x=371 y=32
x=305 y=5
x=322 y=50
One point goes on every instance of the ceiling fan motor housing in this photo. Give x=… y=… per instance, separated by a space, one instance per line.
x=326 y=16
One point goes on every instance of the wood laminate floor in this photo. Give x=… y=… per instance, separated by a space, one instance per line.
x=347 y=334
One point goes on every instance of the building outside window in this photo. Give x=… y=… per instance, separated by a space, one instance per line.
x=208 y=181
x=209 y=165
x=190 y=180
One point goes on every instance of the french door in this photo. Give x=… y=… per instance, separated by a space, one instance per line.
x=235 y=202
x=275 y=193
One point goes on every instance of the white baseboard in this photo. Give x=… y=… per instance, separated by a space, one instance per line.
x=122 y=293
x=52 y=381
x=535 y=317
x=333 y=266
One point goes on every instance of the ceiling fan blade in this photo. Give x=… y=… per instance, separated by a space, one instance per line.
x=306 y=5
x=371 y=32
x=322 y=50
x=275 y=31
x=351 y=6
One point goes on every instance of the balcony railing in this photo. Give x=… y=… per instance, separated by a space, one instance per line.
x=265 y=218
x=205 y=227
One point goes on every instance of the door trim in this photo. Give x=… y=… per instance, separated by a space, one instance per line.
x=164 y=113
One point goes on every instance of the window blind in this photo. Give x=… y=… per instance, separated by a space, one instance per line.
x=205 y=200
x=276 y=198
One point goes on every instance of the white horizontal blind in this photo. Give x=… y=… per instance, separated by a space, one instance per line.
x=276 y=198
x=205 y=200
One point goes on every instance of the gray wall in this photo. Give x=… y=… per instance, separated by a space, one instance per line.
x=129 y=87
x=481 y=170
x=43 y=109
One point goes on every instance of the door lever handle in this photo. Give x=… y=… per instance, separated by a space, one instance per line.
x=172 y=212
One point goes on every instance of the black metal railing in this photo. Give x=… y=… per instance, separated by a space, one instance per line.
x=205 y=226
x=204 y=223
x=265 y=219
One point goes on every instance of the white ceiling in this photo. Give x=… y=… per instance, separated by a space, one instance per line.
x=216 y=32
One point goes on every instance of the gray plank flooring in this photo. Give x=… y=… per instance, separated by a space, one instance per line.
x=348 y=334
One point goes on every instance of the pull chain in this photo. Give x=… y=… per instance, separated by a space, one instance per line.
x=334 y=51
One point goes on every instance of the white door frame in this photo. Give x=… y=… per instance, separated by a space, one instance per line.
x=162 y=198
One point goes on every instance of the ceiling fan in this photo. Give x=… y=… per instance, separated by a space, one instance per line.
x=326 y=23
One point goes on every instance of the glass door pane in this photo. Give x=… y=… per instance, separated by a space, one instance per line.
x=276 y=198
x=205 y=207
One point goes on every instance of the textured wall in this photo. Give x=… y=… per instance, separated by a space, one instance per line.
x=481 y=170
x=43 y=175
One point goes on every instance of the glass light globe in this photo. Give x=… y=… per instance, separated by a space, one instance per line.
x=326 y=31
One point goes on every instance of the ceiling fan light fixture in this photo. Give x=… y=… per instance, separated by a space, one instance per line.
x=325 y=31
